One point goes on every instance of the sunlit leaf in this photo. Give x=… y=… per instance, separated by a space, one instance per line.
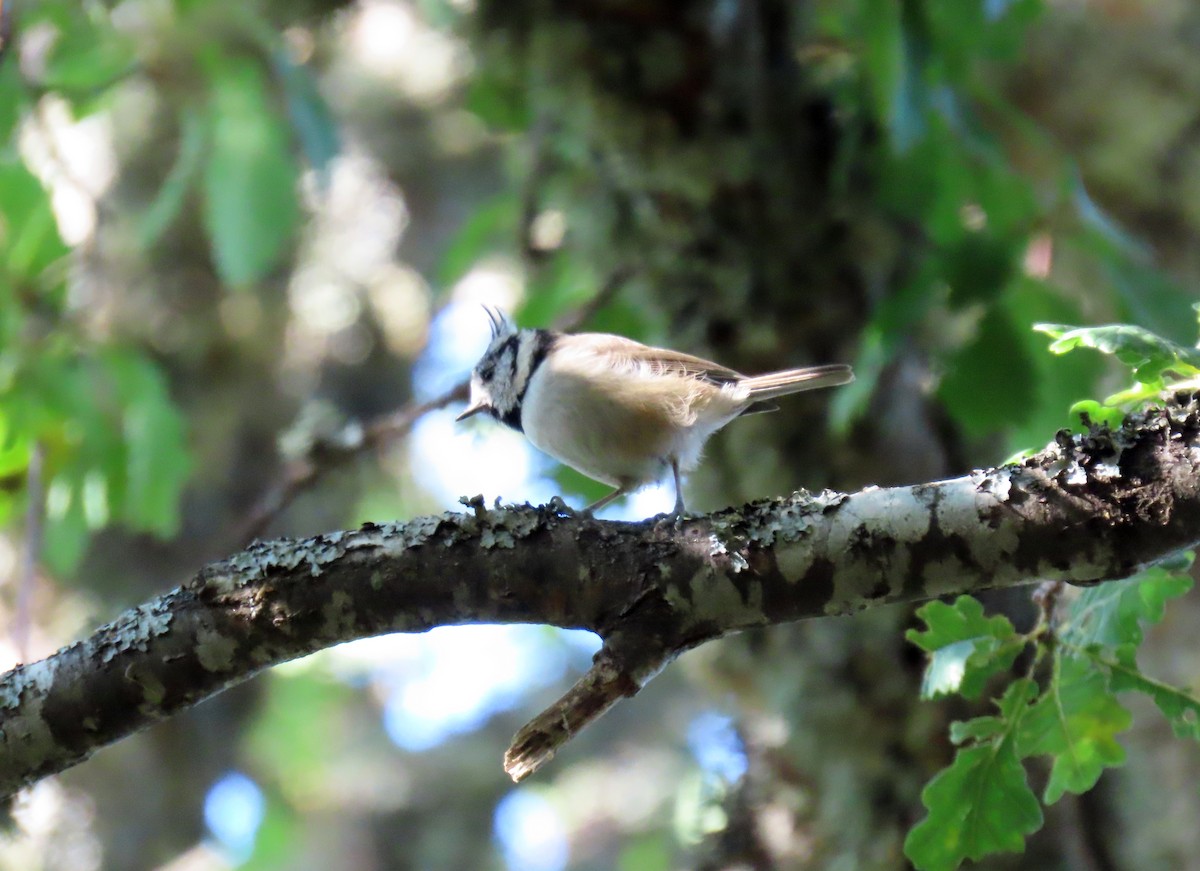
x=1149 y=355
x=1089 y=412
x=966 y=648
x=16 y=447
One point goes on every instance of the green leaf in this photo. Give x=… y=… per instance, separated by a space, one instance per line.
x=29 y=240
x=16 y=447
x=882 y=54
x=279 y=840
x=441 y=14
x=562 y=283
x=497 y=103
x=1059 y=381
x=1096 y=414
x=1179 y=706
x=250 y=178
x=278 y=737
x=947 y=665
x=647 y=853
x=976 y=729
x=963 y=620
x=1075 y=721
x=989 y=383
x=14 y=98
x=978 y=266
x=571 y=481
x=966 y=647
x=157 y=460
x=157 y=218
x=114 y=443
x=980 y=805
x=311 y=118
x=65 y=536
x=911 y=99
x=87 y=55
x=1148 y=354
x=975 y=29
x=1111 y=614
x=491 y=226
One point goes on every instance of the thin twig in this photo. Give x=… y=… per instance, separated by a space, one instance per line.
x=325 y=456
x=539 y=165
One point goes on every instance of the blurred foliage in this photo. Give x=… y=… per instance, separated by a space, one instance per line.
x=115 y=444
x=841 y=177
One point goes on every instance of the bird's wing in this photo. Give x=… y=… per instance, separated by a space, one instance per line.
x=660 y=361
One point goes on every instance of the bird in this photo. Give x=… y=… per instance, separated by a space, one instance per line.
x=619 y=411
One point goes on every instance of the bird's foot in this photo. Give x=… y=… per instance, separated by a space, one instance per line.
x=672 y=519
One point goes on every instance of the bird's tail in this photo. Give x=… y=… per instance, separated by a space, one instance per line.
x=775 y=384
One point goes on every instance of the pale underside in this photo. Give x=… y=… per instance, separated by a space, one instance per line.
x=621 y=418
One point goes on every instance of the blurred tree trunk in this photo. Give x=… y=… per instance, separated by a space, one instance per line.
x=696 y=145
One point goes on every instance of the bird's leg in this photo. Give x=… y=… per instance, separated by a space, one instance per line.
x=678 y=510
x=600 y=503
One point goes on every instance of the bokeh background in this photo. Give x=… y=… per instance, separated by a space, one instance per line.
x=235 y=234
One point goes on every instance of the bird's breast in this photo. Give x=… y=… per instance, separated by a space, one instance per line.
x=616 y=426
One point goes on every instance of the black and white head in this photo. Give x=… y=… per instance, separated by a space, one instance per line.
x=501 y=377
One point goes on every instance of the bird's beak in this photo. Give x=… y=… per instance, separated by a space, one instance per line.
x=474 y=408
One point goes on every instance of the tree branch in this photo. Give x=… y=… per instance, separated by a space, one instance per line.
x=1087 y=509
